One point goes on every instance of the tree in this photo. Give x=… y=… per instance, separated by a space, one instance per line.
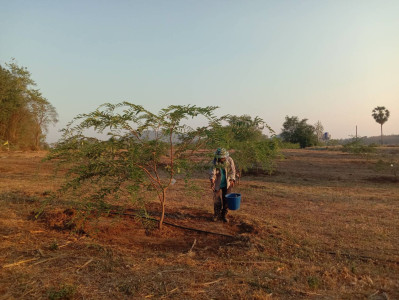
x=295 y=131
x=380 y=115
x=43 y=113
x=24 y=112
x=243 y=135
x=319 y=130
x=143 y=152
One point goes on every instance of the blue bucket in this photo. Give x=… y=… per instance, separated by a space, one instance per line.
x=233 y=201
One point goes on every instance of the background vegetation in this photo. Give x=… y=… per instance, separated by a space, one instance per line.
x=251 y=149
x=24 y=113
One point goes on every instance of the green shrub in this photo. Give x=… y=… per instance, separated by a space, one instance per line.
x=288 y=145
x=63 y=292
x=357 y=146
x=313 y=282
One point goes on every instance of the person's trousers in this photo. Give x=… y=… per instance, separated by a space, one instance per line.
x=220 y=201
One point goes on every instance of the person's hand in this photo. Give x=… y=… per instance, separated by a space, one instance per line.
x=232 y=183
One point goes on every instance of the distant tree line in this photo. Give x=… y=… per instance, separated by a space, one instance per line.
x=297 y=131
x=392 y=139
x=25 y=116
x=24 y=113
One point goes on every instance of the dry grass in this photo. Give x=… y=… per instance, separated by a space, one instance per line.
x=324 y=227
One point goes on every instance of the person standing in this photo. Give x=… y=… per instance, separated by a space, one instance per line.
x=222 y=176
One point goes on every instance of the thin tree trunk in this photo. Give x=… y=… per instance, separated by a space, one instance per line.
x=163 y=209
x=37 y=137
x=381 y=136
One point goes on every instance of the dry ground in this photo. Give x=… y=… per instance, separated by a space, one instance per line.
x=326 y=226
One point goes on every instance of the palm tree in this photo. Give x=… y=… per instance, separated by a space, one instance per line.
x=380 y=115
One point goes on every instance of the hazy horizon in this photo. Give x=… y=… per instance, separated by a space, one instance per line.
x=328 y=61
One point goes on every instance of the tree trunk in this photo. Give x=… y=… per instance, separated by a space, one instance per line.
x=163 y=209
x=37 y=134
x=381 y=135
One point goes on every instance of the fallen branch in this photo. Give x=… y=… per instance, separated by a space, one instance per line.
x=19 y=263
x=66 y=244
x=192 y=247
x=48 y=259
x=172 y=291
x=85 y=264
x=212 y=282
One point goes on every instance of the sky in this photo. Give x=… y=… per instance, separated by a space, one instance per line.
x=327 y=61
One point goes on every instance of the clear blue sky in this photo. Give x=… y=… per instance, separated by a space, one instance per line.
x=332 y=61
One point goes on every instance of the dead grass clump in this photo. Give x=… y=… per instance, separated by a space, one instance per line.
x=59 y=219
x=62 y=292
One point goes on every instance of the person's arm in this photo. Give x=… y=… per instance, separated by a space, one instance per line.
x=232 y=174
x=212 y=176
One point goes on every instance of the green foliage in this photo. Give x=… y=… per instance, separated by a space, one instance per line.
x=380 y=115
x=53 y=246
x=141 y=154
x=295 y=131
x=64 y=292
x=313 y=282
x=357 y=146
x=24 y=113
x=257 y=155
x=319 y=130
x=332 y=142
x=250 y=148
x=288 y=145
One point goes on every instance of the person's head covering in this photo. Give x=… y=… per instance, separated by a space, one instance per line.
x=221 y=153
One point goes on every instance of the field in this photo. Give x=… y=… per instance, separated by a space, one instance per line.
x=324 y=226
